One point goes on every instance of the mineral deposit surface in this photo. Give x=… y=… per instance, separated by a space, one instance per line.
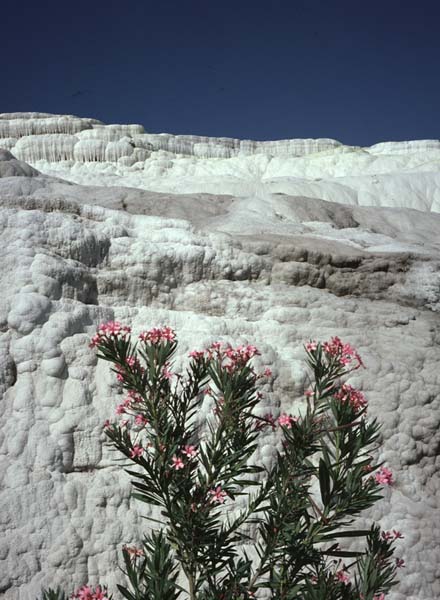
x=271 y=243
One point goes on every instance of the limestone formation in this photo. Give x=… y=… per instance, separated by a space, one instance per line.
x=270 y=243
x=11 y=167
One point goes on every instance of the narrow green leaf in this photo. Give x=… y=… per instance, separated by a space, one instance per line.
x=324 y=482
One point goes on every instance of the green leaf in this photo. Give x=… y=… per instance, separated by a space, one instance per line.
x=324 y=482
x=343 y=553
x=351 y=533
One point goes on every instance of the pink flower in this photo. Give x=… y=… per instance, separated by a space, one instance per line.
x=157 y=335
x=342 y=576
x=249 y=351
x=95 y=341
x=168 y=333
x=400 y=563
x=84 y=593
x=134 y=396
x=140 y=420
x=100 y=594
x=166 y=372
x=349 y=394
x=123 y=423
x=286 y=420
x=311 y=346
x=394 y=535
x=136 y=451
x=120 y=409
x=190 y=451
x=218 y=495
x=177 y=463
x=267 y=372
x=87 y=593
x=105 y=330
x=133 y=551
x=238 y=357
x=197 y=354
x=107 y=424
x=380 y=596
x=344 y=353
x=113 y=328
x=384 y=476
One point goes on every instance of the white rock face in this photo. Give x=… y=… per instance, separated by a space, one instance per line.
x=11 y=167
x=270 y=243
x=85 y=151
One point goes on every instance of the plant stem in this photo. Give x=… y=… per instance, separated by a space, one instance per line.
x=191 y=582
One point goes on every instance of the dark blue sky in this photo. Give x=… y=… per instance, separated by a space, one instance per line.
x=360 y=72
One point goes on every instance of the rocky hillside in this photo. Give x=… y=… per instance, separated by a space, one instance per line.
x=269 y=243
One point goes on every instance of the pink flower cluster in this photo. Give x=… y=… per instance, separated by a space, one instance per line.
x=129 y=404
x=133 y=551
x=87 y=593
x=157 y=335
x=394 y=535
x=136 y=451
x=241 y=354
x=106 y=330
x=342 y=576
x=189 y=451
x=177 y=463
x=237 y=357
x=217 y=495
x=286 y=420
x=140 y=420
x=384 y=476
x=348 y=393
x=166 y=373
x=345 y=354
x=131 y=363
x=197 y=354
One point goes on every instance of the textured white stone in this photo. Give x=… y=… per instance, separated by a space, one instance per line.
x=11 y=167
x=248 y=248
x=51 y=147
x=19 y=125
x=399 y=174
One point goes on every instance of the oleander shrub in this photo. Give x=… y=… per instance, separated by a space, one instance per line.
x=231 y=528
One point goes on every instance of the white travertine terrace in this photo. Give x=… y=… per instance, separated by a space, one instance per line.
x=405 y=147
x=23 y=126
x=271 y=243
x=85 y=151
